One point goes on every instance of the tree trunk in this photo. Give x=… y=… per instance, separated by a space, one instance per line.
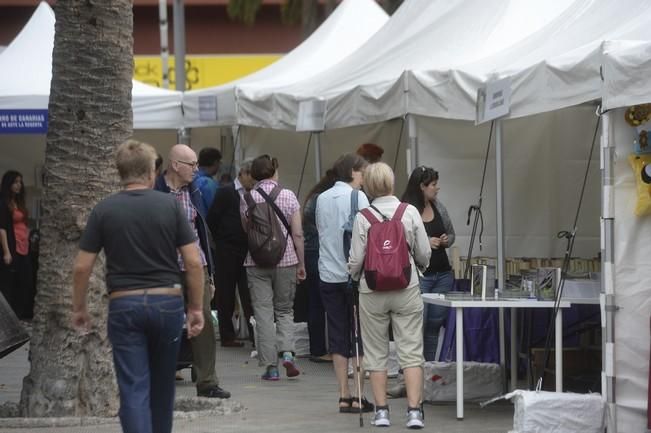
x=309 y=18
x=89 y=115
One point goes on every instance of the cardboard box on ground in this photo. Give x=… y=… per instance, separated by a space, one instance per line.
x=581 y=369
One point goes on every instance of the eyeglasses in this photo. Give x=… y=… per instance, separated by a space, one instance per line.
x=194 y=164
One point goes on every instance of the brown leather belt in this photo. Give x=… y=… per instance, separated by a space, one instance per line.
x=171 y=291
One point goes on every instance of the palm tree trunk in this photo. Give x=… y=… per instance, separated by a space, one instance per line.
x=89 y=115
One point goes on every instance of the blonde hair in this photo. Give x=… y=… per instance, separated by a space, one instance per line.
x=135 y=162
x=378 y=180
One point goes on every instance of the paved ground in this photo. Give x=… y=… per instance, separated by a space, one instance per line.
x=305 y=404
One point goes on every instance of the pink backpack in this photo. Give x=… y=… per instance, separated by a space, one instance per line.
x=386 y=266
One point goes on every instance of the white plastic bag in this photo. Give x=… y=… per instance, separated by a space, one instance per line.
x=481 y=380
x=557 y=412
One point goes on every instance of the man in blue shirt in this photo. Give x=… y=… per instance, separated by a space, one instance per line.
x=209 y=161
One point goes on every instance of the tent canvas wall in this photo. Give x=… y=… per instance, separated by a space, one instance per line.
x=627 y=81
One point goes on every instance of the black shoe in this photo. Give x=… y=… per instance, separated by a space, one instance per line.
x=232 y=343
x=213 y=392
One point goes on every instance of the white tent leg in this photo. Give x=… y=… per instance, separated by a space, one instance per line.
x=317 y=156
x=412 y=148
x=608 y=270
x=237 y=149
x=183 y=136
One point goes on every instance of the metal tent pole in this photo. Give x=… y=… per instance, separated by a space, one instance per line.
x=608 y=306
x=164 y=45
x=182 y=134
x=499 y=176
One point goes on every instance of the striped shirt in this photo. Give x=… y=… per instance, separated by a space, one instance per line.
x=183 y=196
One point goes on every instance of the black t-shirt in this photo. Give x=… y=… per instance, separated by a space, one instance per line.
x=438 y=261
x=140 y=231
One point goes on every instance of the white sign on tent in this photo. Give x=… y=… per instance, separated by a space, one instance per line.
x=493 y=100
x=311 y=115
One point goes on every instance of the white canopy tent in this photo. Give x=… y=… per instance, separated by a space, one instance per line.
x=555 y=67
x=26 y=72
x=626 y=71
x=25 y=75
x=351 y=24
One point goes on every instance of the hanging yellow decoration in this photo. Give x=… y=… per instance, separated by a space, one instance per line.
x=638 y=114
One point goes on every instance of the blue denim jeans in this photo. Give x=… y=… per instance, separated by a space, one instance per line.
x=145 y=332
x=435 y=315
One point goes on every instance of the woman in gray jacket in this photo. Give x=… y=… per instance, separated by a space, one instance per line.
x=402 y=308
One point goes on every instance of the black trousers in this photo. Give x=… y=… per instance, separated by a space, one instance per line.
x=18 y=287
x=230 y=275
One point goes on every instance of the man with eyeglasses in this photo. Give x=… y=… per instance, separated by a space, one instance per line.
x=178 y=181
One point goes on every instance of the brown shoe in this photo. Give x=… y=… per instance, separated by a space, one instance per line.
x=232 y=343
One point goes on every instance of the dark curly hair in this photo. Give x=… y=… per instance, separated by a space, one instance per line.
x=413 y=194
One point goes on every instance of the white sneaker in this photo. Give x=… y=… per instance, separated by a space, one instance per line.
x=415 y=419
x=381 y=418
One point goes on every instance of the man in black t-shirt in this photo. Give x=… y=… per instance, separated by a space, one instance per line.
x=140 y=231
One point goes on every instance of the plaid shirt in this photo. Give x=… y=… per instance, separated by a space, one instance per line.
x=183 y=196
x=288 y=205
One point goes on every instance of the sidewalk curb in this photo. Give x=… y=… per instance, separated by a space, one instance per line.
x=206 y=407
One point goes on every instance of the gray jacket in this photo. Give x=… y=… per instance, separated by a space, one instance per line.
x=447 y=222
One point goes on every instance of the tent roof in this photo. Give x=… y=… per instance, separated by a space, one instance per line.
x=627 y=73
x=351 y=24
x=432 y=55
x=26 y=72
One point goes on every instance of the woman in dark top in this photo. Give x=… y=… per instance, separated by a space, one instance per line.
x=315 y=312
x=16 y=274
x=421 y=192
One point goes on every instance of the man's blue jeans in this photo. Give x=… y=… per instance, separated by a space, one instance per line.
x=435 y=315
x=145 y=331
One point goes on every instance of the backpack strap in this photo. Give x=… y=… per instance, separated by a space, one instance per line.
x=268 y=198
x=384 y=217
x=369 y=216
x=354 y=202
x=399 y=212
x=248 y=199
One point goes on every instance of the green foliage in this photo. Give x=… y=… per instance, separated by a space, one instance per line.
x=292 y=11
x=243 y=10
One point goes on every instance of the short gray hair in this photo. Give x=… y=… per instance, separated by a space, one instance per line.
x=245 y=166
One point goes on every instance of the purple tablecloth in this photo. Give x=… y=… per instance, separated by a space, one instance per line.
x=481 y=330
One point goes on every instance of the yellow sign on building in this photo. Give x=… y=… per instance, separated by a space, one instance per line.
x=201 y=71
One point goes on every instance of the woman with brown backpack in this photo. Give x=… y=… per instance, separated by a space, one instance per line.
x=274 y=263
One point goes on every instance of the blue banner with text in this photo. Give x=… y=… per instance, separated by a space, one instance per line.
x=23 y=121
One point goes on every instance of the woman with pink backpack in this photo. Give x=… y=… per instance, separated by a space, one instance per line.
x=389 y=243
